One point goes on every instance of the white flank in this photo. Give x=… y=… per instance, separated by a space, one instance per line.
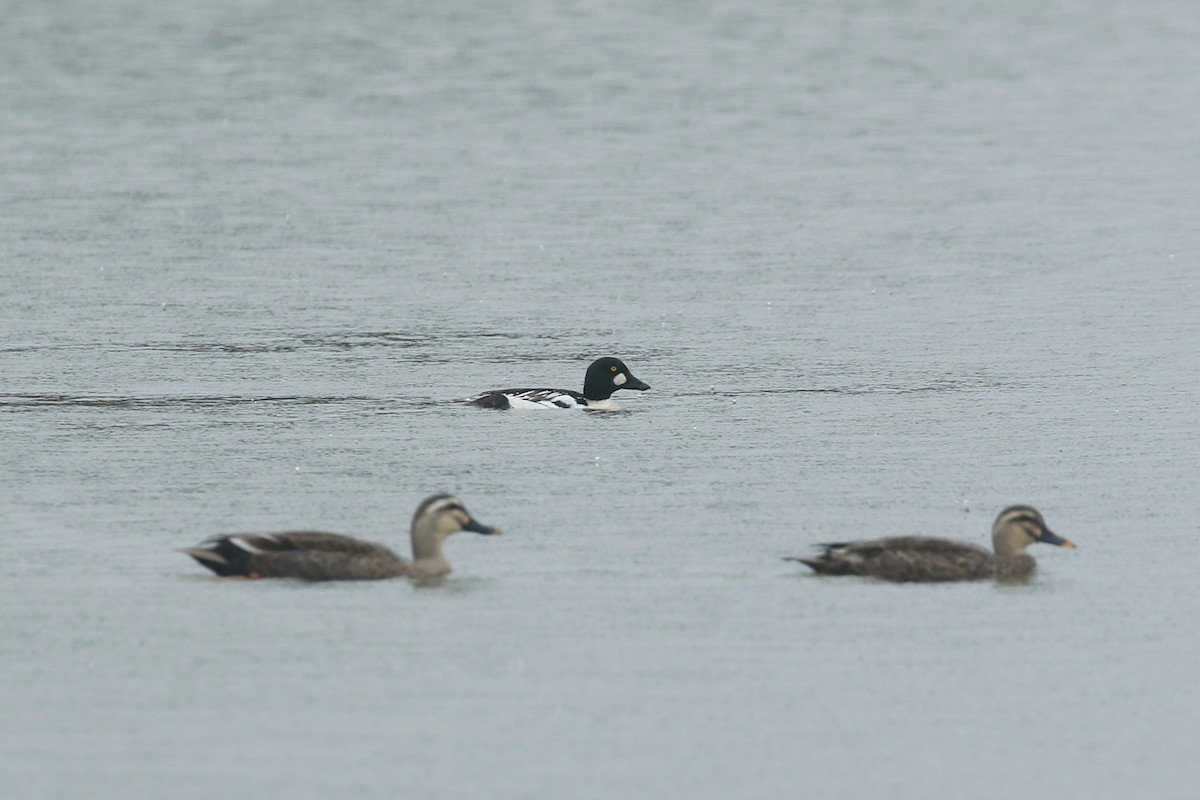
x=548 y=401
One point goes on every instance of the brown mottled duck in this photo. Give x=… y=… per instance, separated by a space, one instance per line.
x=924 y=559
x=319 y=556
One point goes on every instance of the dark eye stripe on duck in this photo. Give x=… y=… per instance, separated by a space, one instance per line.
x=430 y=502
x=1024 y=513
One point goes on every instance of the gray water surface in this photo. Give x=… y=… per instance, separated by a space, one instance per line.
x=889 y=267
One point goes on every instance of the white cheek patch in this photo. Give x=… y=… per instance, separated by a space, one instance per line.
x=620 y=379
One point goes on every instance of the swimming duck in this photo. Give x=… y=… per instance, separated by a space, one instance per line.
x=318 y=556
x=604 y=376
x=921 y=558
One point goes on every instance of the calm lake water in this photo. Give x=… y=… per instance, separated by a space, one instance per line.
x=889 y=267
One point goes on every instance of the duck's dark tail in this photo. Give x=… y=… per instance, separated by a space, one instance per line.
x=822 y=564
x=489 y=400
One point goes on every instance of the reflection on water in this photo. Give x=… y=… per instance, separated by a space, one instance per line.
x=18 y=401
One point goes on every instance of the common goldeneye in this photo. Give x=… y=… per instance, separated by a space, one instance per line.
x=604 y=376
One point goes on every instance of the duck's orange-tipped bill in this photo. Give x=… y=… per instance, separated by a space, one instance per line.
x=1048 y=536
x=475 y=526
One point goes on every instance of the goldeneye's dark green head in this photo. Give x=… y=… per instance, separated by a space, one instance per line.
x=607 y=375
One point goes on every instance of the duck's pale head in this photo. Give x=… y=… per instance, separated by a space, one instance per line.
x=1017 y=527
x=443 y=515
x=607 y=375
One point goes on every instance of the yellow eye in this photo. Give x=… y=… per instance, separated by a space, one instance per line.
x=614 y=369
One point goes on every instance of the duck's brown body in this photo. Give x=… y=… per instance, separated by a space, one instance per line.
x=320 y=556
x=918 y=559
x=308 y=555
x=927 y=559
